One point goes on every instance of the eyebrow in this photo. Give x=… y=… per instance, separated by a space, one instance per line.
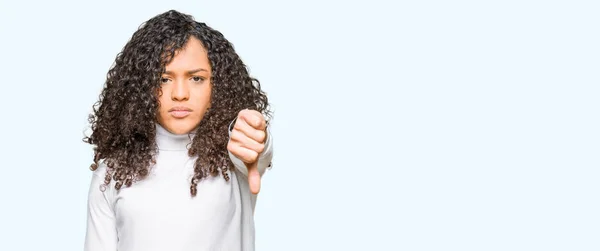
x=190 y=72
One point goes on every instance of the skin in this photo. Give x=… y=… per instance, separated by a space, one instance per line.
x=185 y=84
x=185 y=97
x=247 y=142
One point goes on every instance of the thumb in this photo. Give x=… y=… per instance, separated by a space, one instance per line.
x=253 y=177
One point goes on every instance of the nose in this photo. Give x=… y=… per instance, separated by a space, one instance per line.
x=180 y=91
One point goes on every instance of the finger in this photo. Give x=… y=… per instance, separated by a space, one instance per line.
x=254 y=177
x=249 y=131
x=246 y=142
x=253 y=118
x=244 y=154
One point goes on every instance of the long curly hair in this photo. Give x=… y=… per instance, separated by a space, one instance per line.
x=123 y=119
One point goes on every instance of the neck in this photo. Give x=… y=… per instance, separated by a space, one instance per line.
x=166 y=140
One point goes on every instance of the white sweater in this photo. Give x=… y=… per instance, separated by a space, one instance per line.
x=158 y=212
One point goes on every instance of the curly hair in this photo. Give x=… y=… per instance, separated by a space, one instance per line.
x=123 y=119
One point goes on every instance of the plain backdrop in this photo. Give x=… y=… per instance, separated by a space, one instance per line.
x=398 y=125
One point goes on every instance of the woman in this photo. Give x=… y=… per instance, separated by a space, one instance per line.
x=181 y=140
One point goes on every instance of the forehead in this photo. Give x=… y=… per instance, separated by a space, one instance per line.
x=192 y=56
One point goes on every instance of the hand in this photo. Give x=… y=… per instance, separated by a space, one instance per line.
x=247 y=142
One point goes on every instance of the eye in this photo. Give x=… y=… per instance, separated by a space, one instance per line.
x=164 y=80
x=197 y=79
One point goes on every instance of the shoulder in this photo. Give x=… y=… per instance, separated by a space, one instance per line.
x=100 y=170
x=99 y=178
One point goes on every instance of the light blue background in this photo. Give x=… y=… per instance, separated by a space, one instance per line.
x=412 y=125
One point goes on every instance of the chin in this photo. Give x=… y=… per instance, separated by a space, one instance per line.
x=177 y=130
x=180 y=127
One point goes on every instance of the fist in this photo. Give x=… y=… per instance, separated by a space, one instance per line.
x=247 y=142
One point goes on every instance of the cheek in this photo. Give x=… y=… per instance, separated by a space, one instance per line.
x=163 y=100
x=208 y=98
x=203 y=96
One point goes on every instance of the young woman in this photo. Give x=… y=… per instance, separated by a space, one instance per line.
x=181 y=140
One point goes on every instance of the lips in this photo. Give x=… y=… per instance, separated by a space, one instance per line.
x=180 y=112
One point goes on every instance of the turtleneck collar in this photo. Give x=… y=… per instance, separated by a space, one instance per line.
x=166 y=140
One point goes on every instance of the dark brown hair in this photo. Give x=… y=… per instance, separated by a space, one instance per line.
x=124 y=117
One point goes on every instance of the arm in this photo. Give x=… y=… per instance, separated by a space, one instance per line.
x=101 y=233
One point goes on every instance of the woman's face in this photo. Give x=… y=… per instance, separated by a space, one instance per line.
x=186 y=89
